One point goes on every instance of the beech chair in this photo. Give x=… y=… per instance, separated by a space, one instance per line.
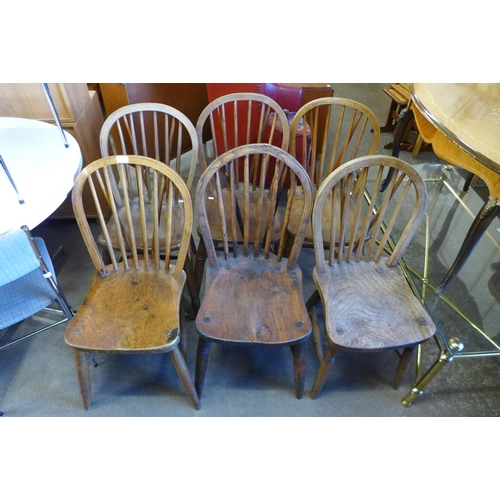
x=252 y=295
x=28 y=283
x=133 y=305
x=162 y=132
x=235 y=120
x=340 y=130
x=368 y=305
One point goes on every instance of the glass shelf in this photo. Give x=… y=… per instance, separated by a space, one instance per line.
x=467 y=313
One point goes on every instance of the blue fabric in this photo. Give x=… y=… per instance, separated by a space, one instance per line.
x=16 y=256
x=28 y=294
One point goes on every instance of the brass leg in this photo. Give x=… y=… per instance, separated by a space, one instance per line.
x=481 y=222
x=299 y=367
x=324 y=369
x=183 y=372
x=404 y=363
x=445 y=358
x=83 y=374
x=201 y=364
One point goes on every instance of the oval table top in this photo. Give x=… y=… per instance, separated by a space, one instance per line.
x=41 y=166
x=467 y=113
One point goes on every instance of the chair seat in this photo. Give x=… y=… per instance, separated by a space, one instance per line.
x=370 y=306
x=129 y=310
x=251 y=300
x=213 y=216
x=177 y=225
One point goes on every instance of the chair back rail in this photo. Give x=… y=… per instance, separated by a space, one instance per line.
x=340 y=130
x=153 y=130
x=164 y=181
x=242 y=118
x=237 y=230
x=355 y=187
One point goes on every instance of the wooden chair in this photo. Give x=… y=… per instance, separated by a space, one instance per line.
x=367 y=303
x=252 y=296
x=134 y=304
x=340 y=130
x=157 y=131
x=235 y=120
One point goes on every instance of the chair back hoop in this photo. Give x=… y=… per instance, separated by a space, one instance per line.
x=339 y=130
x=242 y=118
x=154 y=130
x=165 y=181
x=365 y=222
x=16 y=255
x=222 y=172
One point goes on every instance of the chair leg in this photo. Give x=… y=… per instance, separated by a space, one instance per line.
x=287 y=247
x=201 y=364
x=183 y=372
x=323 y=371
x=404 y=363
x=83 y=374
x=191 y=284
x=314 y=299
x=299 y=367
x=183 y=332
x=199 y=264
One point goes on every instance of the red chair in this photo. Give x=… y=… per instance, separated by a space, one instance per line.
x=290 y=97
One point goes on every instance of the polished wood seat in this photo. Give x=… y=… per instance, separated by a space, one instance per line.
x=134 y=304
x=367 y=302
x=252 y=294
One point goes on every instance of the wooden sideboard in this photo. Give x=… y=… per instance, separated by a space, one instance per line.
x=79 y=111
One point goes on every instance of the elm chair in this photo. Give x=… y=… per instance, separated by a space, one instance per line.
x=235 y=120
x=368 y=305
x=28 y=283
x=162 y=132
x=252 y=295
x=133 y=305
x=339 y=130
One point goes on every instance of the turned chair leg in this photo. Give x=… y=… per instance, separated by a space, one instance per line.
x=299 y=367
x=185 y=377
x=287 y=247
x=83 y=374
x=201 y=364
x=191 y=284
x=314 y=299
x=323 y=371
x=183 y=332
x=404 y=362
x=199 y=264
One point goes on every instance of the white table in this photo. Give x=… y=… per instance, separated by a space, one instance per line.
x=42 y=168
